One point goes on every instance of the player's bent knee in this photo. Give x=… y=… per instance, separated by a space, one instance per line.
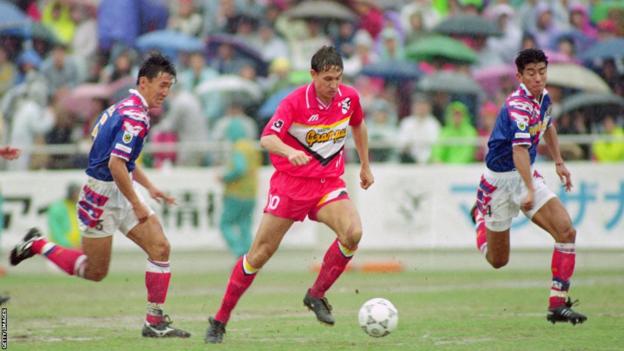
x=160 y=250
x=95 y=275
x=498 y=262
x=569 y=235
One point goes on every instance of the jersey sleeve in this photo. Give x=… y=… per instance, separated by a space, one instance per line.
x=358 y=114
x=130 y=135
x=519 y=112
x=281 y=121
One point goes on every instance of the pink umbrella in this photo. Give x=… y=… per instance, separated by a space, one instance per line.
x=489 y=78
x=79 y=99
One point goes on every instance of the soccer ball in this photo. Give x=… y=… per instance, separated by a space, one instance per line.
x=378 y=317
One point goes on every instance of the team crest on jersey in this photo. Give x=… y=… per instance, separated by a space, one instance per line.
x=277 y=125
x=345 y=105
x=127 y=137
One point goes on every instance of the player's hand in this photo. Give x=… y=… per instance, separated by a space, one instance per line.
x=141 y=212
x=564 y=175
x=159 y=196
x=298 y=158
x=366 y=177
x=9 y=153
x=527 y=203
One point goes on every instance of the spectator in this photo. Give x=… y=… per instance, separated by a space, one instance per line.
x=62 y=220
x=60 y=70
x=186 y=19
x=382 y=130
x=241 y=186
x=184 y=118
x=57 y=16
x=8 y=72
x=488 y=114
x=235 y=111
x=269 y=44
x=611 y=150
x=458 y=136
x=418 y=132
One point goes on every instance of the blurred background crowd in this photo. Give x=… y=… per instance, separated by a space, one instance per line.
x=432 y=74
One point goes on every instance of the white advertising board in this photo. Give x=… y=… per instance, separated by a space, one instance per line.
x=407 y=207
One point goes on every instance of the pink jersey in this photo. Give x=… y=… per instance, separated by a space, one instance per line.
x=303 y=122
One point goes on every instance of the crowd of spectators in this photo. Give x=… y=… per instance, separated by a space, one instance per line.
x=70 y=59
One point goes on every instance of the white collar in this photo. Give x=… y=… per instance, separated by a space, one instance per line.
x=136 y=92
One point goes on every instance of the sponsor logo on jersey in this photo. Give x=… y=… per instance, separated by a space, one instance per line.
x=313 y=137
x=345 y=105
x=313 y=118
x=127 y=137
x=277 y=125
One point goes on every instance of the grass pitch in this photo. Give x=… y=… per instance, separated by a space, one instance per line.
x=455 y=308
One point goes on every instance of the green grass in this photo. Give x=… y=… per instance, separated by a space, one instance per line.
x=438 y=310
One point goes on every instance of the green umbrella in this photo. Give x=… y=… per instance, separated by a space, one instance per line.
x=467 y=25
x=440 y=48
x=601 y=10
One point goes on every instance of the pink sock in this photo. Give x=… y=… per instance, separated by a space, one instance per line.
x=562 y=266
x=71 y=261
x=334 y=263
x=157 y=277
x=241 y=278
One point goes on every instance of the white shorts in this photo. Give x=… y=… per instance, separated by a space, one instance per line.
x=500 y=195
x=103 y=209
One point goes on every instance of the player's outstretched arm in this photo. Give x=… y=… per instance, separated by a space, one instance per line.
x=9 y=153
x=274 y=145
x=360 y=137
x=552 y=141
x=154 y=192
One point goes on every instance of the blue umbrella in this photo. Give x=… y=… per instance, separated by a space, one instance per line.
x=11 y=15
x=270 y=105
x=392 y=70
x=169 y=42
x=581 y=41
x=605 y=49
x=31 y=30
x=242 y=49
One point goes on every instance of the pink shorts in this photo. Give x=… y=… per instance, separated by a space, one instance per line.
x=298 y=197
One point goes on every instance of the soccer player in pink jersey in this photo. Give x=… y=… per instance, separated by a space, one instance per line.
x=305 y=139
x=109 y=200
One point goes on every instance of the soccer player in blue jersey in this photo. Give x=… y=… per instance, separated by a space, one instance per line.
x=511 y=183
x=110 y=201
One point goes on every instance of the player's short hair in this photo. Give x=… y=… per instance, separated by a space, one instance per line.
x=155 y=64
x=528 y=56
x=326 y=58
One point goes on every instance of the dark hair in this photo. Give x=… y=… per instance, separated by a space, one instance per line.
x=326 y=58
x=528 y=56
x=155 y=64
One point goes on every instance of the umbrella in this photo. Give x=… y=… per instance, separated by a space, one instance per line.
x=31 y=30
x=450 y=82
x=169 y=41
x=580 y=40
x=242 y=48
x=489 y=78
x=392 y=70
x=569 y=75
x=231 y=84
x=599 y=102
x=467 y=25
x=79 y=98
x=11 y=15
x=605 y=49
x=321 y=9
x=438 y=47
x=270 y=105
